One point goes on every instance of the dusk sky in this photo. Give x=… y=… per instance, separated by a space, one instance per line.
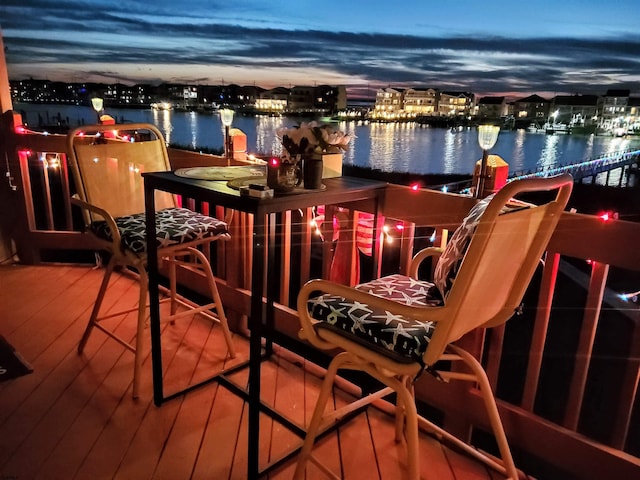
x=566 y=46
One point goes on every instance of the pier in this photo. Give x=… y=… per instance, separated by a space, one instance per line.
x=583 y=172
x=590 y=169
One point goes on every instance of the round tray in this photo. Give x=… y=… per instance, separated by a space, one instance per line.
x=221 y=173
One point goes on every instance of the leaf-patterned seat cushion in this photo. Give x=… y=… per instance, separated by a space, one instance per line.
x=173 y=226
x=401 y=338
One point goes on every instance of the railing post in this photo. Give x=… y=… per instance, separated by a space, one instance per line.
x=5 y=90
x=585 y=346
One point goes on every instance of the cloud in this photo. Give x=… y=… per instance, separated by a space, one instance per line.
x=138 y=44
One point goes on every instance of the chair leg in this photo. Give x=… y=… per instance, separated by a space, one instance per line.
x=318 y=413
x=97 y=304
x=173 y=284
x=492 y=411
x=406 y=401
x=400 y=412
x=142 y=301
x=215 y=296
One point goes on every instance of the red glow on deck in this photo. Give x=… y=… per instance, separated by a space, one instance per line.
x=20 y=129
x=415 y=187
x=274 y=161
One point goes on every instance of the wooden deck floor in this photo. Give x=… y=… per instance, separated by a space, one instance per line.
x=74 y=418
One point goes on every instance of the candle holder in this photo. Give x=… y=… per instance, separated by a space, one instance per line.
x=283 y=176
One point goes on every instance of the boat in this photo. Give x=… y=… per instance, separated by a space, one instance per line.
x=551 y=128
x=535 y=128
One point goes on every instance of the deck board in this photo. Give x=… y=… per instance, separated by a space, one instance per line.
x=74 y=417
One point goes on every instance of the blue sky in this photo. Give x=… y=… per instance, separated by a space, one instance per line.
x=567 y=46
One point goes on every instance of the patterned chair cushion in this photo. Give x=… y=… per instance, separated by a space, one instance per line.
x=173 y=226
x=393 y=335
x=449 y=263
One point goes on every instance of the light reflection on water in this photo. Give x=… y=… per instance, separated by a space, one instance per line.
x=390 y=147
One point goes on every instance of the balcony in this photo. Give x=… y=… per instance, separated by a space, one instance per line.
x=566 y=371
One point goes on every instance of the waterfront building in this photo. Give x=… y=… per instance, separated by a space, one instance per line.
x=533 y=108
x=322 y=99
x=330 y=98
x=492 y=107
x=576 y=110
x=389 y=102
x=615 y=112
x=456 y=104
x=272 y=101
x=420 y=101
x=613 y=108
x=301 y=99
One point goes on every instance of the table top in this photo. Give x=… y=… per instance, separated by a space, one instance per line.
x=338 y=190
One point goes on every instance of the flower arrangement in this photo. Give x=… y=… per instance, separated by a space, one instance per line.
x=310 y=138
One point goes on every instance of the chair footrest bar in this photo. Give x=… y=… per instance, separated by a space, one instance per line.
x=115 y=337
x=431 y=427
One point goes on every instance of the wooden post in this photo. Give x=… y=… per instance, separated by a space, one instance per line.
x=5 y=90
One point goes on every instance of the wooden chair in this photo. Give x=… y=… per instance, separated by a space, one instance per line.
x=396 y=327
x=106 y=162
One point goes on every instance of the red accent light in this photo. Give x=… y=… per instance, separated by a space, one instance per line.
x=20 y=129
x=605 y=217
x=24 y=153
x=274 y=161
x=400 y=227
x=415 y=187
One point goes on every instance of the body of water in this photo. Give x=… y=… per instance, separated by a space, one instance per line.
x=391 y=147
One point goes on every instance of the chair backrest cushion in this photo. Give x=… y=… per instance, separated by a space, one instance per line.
x=451 y=258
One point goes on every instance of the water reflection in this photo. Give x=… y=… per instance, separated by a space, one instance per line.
x=517 y=159
x=193 y=127
x=549 y=153
x=405 y=147
x=162 y=120
x=266 y=141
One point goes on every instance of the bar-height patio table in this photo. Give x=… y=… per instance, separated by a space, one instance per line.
x=342 y=191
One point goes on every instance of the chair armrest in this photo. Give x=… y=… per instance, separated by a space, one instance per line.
x=421 y=256
x=307 y=322
x=111 y=223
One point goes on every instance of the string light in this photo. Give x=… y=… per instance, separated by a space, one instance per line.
x=316 y=219
x=633 y=296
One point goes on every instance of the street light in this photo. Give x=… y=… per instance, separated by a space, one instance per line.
x=487 y=137
x=97 y=103
x=226 y=116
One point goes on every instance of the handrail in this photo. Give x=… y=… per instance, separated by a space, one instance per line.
x=417 y=219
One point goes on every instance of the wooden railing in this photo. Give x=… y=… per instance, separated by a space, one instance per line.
x=566 y=370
